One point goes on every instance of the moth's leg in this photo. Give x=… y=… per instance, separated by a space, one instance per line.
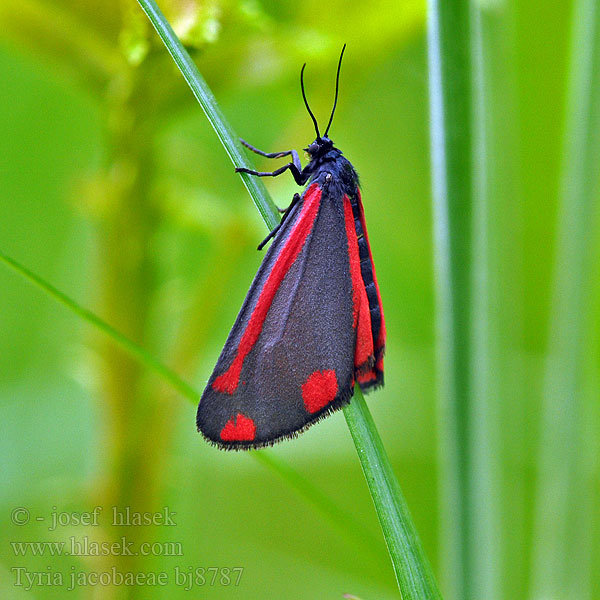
x=292 y=153
x=266 y=154
x=294 y=166
x=275 y=229
x=299 y=177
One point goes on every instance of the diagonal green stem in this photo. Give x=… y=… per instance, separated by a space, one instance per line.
x=412 y=570
x=124 y=342
x=207 y=101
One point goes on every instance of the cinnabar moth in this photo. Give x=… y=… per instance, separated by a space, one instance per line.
x=312 y=322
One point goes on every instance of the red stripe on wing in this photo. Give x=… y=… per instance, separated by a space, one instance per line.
x=363 y=352
x=380 y=341
x=227 y=382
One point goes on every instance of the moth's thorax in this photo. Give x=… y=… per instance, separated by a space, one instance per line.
x=334 y=173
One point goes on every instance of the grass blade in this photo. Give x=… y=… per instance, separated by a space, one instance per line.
x=133 y=349
x=560 y=532
x=412 y=570
x=207 y=101
x=491 y=182
x=414 y=575
x=450 y=89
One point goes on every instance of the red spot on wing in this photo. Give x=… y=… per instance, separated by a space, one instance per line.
x=239 y=429
x=360 y=303
x=228 y=381
x=319 y=390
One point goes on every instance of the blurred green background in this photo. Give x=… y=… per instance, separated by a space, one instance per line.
x=116 y=190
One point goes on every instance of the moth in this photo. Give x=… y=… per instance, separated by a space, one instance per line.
x=312 y=325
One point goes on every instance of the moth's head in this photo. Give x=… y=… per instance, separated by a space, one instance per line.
x=320 y=147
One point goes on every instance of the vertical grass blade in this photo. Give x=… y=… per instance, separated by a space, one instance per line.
x=449 y=57
x=483 y=570
x=493 y=180
x=560 y=532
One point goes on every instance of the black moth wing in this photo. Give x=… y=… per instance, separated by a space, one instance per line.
x=301 y=366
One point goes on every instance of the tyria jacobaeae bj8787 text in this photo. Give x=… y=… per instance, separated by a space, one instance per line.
x=312 y=323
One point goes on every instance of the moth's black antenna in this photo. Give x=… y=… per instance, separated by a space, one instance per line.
x=306 y=102
x=337 y=87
